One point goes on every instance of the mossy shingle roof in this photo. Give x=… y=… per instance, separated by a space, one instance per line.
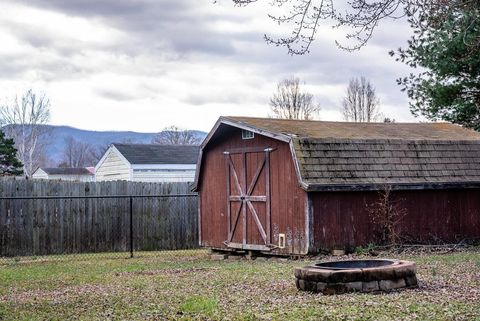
x=336 y=155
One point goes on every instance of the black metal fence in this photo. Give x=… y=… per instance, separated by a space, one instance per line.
x=79 y=225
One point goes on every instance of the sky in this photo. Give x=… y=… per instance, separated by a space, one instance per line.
x=145 y=65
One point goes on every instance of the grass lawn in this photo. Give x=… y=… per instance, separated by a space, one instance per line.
x=187 y=285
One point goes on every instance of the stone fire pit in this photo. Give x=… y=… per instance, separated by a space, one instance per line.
x=356 y=276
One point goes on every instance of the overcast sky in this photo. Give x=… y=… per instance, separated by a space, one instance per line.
x=144 y=65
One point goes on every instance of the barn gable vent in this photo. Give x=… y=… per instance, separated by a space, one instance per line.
x=246 y=134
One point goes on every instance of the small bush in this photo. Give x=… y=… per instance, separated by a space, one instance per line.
x=387 y=214
x=360 y=250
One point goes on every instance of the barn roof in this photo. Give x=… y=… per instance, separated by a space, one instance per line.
x=341 y=155
x=66 y=171
x=159 y=154
x=332 y=162
x=351 y=130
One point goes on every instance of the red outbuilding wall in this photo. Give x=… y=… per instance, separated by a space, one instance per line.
x=288 y=200
x=310 y=221
x=342 y=219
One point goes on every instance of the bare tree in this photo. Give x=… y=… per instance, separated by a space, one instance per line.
x=98 y=152
x=291 y=102
x=360 y=17
x=77 y=154
x=25 y=121
x=361 y=104
x=175 y=136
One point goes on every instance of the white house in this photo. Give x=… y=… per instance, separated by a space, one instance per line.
x=79 y=174
x=148 y=163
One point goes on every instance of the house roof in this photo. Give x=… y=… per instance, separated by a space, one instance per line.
x=158 y=154
x=341 y=155
x=66 y=171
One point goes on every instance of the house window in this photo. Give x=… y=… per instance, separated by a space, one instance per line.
x=246 y=134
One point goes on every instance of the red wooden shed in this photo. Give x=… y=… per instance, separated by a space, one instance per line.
x=298 y=187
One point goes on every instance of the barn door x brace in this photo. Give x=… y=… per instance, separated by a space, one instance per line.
x=242 y=195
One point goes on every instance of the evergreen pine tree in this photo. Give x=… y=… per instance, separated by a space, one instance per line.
x=9 y=164
x=446 y=45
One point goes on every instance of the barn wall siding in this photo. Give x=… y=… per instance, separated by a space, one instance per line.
x=341 y=219
x=317 y=220
x=288 y=200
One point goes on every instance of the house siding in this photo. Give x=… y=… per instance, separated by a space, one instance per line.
x=76 y=178
x=113 y=168
x=40 y=174
x=163 y=176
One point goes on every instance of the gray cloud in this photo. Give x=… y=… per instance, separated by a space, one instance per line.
x=162 y=38
x=115 y=94
x=176 y=23
x=14 y=67
x=234 y=96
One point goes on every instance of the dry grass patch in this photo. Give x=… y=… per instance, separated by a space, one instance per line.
x=187 y=285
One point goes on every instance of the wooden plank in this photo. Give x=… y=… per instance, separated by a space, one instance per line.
x=257 y=221
x=255 y=178
x=253 y=247
x=235 y=176
x=244 y=190
x=229 y=207
x=250 y=198
x=235 y=222
x=267 y=195
x=246 y=150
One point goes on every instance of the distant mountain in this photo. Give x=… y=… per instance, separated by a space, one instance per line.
x=97 y=139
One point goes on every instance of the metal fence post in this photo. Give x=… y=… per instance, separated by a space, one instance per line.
x=131 y=226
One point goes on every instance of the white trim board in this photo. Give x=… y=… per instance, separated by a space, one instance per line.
x=164 y=166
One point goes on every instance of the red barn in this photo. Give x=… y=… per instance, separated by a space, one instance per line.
x=297 y=187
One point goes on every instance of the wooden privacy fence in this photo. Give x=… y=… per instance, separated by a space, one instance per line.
x=59 y=217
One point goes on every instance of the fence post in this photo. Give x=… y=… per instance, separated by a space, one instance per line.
x=131 y=227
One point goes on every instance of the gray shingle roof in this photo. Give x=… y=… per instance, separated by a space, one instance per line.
x=325 y=163
x=340 y=155
x=159 y=154
x=66 y=171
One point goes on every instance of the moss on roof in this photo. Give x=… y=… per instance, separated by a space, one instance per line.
x=351 y=130
x=339 y=155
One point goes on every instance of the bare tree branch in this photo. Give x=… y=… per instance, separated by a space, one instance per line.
x=387 y=215
x=175 y=136
x=361 y=104
x=25 y=121
x=98 y=152
x=78 y=154
x=290 y=102
x=361 y=17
